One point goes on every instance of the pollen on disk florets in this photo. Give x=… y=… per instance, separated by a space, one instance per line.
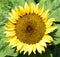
x=29 y=28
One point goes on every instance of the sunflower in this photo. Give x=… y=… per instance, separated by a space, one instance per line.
x=28 y=29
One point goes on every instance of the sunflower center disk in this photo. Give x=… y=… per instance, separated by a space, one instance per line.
x=30 y=29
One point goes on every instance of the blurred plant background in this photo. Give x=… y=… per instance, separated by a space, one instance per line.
x=54 y=7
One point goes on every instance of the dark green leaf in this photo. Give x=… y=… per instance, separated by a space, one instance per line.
x=56 y=52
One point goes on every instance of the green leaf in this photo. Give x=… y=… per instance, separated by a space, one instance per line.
x=5 y=6
x=56 y=52
x=50 y=4
x=56 y=14
x=57 y=41
x=7 y=51
x=29 y=1
x=53 y=6
x=17 y=2
x=47 y=53
x=57 y=34
x=3 y=19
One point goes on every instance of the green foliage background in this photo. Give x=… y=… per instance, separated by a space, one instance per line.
x=54 y=7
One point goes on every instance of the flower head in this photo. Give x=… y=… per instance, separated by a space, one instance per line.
x=29 y=27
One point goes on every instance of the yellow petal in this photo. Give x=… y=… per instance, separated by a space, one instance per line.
x=34 y=49
x=40 y=48
x=9 y=28
x=30 y=49
x=43 y=43
x=45 y=14
x=10 y=14
x=23 y=48
x=26 y=49
x=14 y=14
x=10 y=33
x=47 y=38
x=26 y=8
x=19 y=46
x=14 y=43
x=45 y=20
x=12 y=19
x=10 y=25
x=50 y=22
x=13 y=11
x=17 y=11
x=31 y=6
x=11 y=39
x=36 y=8
x=22 y=11
x=50 y=29
x=40 y=11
